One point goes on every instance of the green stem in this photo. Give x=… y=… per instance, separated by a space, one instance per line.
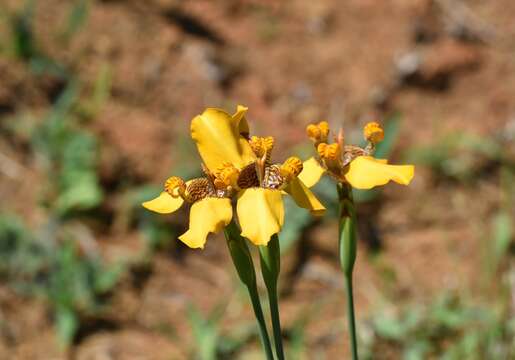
x=270 y=268
x=258 y=312
x=351 y=319
x=347 y=251
x=244 y=265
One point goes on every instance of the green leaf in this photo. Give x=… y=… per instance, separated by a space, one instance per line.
x=76 y=18
x=298 y=335
x=101 y=91
x=389 y=327
x=21 y=257
x=107 y=278
x=22 y=32
x=502 y=236
x=205 y=333
x=84 y=194
x=417 y=350
x=67 y=324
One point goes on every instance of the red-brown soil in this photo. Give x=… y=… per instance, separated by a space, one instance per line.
x=291 y=63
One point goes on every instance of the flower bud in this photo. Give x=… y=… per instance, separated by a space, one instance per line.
x=291 y=168
x=329 y=152
x=175 y=186
x=373 y=132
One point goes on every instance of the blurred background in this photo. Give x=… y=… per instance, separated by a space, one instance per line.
x=95 y=103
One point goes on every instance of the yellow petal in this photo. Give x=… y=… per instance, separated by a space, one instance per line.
x=218 y=140
x=164 y=203
x=304 y=197
x=261 y=214
x=239 y=118
x=311 y=172
x=365 y=172
x=209 y=215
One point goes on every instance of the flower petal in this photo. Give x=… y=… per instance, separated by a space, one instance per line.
x=218 y=139
x=261 y=214
x=209 y=215
x=164 y=203
x=311 y=172
x=239 y=118
x=304 y=197
x=365 y=172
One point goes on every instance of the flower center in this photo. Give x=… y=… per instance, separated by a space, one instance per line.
x=336 y=156
x=262 y=147
x=226 y=176
x=260 y=173
x=277 y=176
x=248 y=177
x=192 y=191
x=199 y=189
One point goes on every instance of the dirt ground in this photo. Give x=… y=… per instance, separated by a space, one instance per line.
x=444 y=65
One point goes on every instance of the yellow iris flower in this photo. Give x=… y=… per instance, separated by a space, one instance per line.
x=234 y=166
x=210 y=210
x=351 y=164
x=243 y=164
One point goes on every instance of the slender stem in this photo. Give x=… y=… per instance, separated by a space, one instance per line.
x=347 y=250
x=270 y=268
x=350 y=316
x=258 y=312
x=244 y=265
x=276 y=323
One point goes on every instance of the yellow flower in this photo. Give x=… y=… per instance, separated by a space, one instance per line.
x=210 y=196
x=217 y=135
x=210 y=210
x=244 y=165
x=352 y=164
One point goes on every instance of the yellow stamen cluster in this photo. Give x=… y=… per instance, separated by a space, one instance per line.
x=318 y=132
x=373 y=132
x=175 y=186
x=262 y=145
x=329 y=151
x=226 y=175
x=291 y=168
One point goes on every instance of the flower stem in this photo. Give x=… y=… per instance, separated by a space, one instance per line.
x=270 y=268
x=244 y=265
x=258 y=312
x=351 y=319
x=347 y=251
